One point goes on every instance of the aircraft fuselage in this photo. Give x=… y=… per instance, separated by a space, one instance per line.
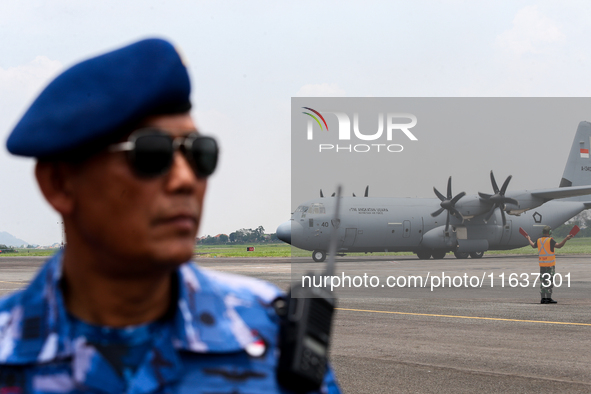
x=404 y=224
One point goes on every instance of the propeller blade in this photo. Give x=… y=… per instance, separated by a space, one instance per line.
x=490 y=213
x=448 y=203
x=456 y=198
x=441 y=196
x=498 y=199
x=457 y=214
x=449 y=196
x=321 y=195
x=504 y=187
x=367 y=191
x=494 y=183
x=438 y=212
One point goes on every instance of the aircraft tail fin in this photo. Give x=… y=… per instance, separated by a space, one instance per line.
x=578 y=166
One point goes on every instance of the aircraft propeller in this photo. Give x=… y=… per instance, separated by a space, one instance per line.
x=498 y=199
x=366 y=194
x=322 y=195
x=448 y=204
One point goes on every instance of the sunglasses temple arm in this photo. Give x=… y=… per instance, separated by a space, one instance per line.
x=122 y=147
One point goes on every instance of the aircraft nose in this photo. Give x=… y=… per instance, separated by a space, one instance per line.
x=284 y=231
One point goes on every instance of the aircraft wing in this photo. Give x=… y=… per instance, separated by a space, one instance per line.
x=562 y=192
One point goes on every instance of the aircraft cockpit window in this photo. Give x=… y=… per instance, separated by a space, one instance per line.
x=302 y=208
x=317 y=208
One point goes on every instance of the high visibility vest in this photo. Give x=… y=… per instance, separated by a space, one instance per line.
x=547 y=257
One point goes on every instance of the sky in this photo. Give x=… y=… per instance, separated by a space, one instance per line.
x=248 y=59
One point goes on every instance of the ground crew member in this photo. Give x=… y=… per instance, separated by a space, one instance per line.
x=547 y=259
x=120 y=310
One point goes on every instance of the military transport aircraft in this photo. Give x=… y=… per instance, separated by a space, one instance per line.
x=471 y=225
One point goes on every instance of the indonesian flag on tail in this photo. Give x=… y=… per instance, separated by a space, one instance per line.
x=584 y=153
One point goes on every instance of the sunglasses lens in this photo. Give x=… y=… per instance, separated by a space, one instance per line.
x=152 y=155
x=204 y=152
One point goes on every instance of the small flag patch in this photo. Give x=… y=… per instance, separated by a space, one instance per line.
x=258 y=348
x=585 y=153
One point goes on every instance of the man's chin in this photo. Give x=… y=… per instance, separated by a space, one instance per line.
x=174 y=253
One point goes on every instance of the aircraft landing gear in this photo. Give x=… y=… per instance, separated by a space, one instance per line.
x=476 y=255
x=424 y=255
x=319 y=256
x=439 y=254
x=461 y=255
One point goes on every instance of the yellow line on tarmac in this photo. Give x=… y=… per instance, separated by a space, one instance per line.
x=467 y=317
x=15 y=283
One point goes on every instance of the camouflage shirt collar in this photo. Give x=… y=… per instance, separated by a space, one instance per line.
x=35 y=327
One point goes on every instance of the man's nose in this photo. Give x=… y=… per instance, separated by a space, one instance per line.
x=181 y=176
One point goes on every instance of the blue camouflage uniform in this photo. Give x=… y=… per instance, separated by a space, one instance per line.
x=220 y=337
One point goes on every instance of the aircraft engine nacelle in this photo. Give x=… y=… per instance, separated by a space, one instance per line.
x=437 y=238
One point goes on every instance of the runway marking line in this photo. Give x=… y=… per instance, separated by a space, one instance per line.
x=467 y=317
x=16 y=283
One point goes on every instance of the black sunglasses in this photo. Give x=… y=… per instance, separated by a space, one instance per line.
x=150 y=152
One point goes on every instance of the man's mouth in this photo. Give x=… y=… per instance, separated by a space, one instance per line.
x=183 y=221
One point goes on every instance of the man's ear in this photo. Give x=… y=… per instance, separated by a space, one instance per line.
x=56 y=183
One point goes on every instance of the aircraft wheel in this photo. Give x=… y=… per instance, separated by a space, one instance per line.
x=319 y=256
x=438 y=255
x=476 y=255
x=424 y=255
x=461 y=255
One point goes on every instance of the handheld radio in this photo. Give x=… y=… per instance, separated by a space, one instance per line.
x=306 y=324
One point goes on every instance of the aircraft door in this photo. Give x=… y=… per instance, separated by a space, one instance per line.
x=350 y=235
x=406 y=229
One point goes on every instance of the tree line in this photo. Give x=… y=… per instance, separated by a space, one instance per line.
x=242 y=236
x=583 y=220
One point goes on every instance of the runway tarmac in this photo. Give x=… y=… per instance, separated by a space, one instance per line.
x=461 y=340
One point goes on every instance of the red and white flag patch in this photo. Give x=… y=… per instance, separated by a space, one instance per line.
x=258 y=347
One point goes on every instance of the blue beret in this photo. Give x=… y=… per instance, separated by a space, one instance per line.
x=99 y=96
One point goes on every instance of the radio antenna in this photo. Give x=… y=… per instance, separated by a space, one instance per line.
x=305 y=331
x=334 y=235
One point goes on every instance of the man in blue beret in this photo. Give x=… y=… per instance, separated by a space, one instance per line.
x=121 y=310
